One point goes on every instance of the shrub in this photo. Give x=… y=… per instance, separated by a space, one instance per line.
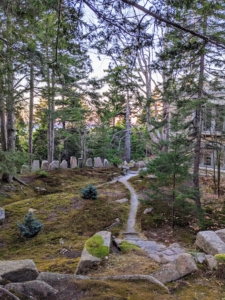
x=89 y=192
x=31 y=226
x=143 y=173
x=42 y=174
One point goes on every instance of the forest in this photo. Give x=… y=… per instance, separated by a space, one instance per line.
x=141 y=85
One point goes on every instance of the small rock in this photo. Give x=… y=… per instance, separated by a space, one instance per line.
x=122 y=200
x=148 y=210
x=211 y=262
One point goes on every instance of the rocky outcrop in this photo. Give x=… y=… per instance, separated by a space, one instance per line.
x=35 y=288
x=56 y=280
x=18 y=270
x=177 y=269
x=210 y=242
x=95 y=250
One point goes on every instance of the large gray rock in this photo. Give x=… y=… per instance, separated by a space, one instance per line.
x=106 y=162
x=56 y=280
x=35 y=165
x=54 y=165
x=64 y=164
x=44 y=165
x=25 y=169
x=18 y=270
x=2 y=213
x=80 y=162
x=177 y=269
x=221 y=234
x=89 y=162
x=98 y=162
x=34 y=288
x=73 y=162
x=210 y=242
x=141 y=164
x=87 y=260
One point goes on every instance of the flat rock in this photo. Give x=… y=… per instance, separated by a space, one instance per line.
x=56 y=280
x=221 y=234
x=177 y=269
x=122 y=200
x=18 y=270
x=210 y=242
x=34 y=288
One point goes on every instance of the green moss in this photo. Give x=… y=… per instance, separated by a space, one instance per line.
x=220 y=257
x=126 y=247
x=95 y=246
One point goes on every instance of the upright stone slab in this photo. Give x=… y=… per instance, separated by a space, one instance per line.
x=25 y=169
x=44 y=165
x=64 y=164
x=98 y=162
x=54 y=165
x=73 y=162
x=106 y=162
x=80 y=162
x=89 y=162
x=2 y=213
x=35 y=165
x=210 y=242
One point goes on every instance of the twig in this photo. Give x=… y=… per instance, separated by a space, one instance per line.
x=8 y=293
x=18 y=180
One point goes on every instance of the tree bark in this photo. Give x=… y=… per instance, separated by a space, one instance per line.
x=31 y=112
x=128 y=130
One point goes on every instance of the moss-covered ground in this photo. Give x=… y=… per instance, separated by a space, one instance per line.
x=70 y=220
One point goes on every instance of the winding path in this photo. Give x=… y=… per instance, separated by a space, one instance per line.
x=158 y=252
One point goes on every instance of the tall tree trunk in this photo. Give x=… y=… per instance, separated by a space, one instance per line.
x=3 y=124
x=128 y=130
x=197 y=121
x=31 y=112
x=51 y=106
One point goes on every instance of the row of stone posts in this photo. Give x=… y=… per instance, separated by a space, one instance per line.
x=74 y=163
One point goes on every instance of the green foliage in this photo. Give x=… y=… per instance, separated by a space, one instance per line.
x=127 y=247
x=42 y=174
x=89 y=192
x=95 y=246
x=143 y=173
x=31 y=226
x=11 y=161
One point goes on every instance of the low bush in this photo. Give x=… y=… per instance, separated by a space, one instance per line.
x=89 y=192
x=31 y=226
x=42 y=174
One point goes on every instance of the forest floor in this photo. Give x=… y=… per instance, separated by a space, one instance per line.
x=70 y=220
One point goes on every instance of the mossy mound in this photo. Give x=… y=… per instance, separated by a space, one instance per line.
x=95 y=246
x=127 y=247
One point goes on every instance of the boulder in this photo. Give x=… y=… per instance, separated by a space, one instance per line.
x=98 y=162
x=18 y=270
x=56 y=280
x=54 y=165
x=141 y=164
x=25 y=169
x=2 y=213
x=106 y=162
x=89 y=162
x=148 y=210
x=211 y=262
x=35 y=165
x=64 y=164
x=73 y=162
x=44 y=165
x=177 y=269
x=95 y=250
x=34 y=288
x=221 y=234
x=210 y=242
x=80 y=162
